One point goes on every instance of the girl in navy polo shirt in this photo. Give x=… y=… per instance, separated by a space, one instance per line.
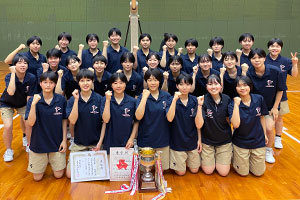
x=36 y=59
x=216 y=44
x=185 y=141
x=230 y=61
x=20 y=85
x=200 y=76
x=46 y=113
x=268 y=81
x=286 y=66
x=168 y=49
x=119 y=114
x=134 y=85
x=101 y=82
x=215 y=129
x=145 y=42
x=249 y=137
x=246 y=40
x=151 y=111
x=83 y=111
x=64 y=39
x=190 y=59
x=169 y=85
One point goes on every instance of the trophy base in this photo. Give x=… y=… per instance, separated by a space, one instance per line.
x=148 y=186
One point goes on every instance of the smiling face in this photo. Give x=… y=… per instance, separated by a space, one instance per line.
x=217 y=47
x=275 y=49
x=145 y=43
x=47 y=85
x=127 y=65
x=115 y=38
x=73 y=65
x=53 y=61
x=247 y=43
x=191 y=48
x=242 y=88
x=63 y=43
x=257 y=61
x=205 y=64
x=171 y=43
x=152 y=62
x=213 y=87
x=35 y=46
x=118 y=86
x=85 y=84
x=99 y=66
x=21 y=66
x=93 y=43
x=175 y=66
x=152 y=83
x=229 y=62
x=184 y=87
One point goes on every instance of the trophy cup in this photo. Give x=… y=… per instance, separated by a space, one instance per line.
x=147 y=162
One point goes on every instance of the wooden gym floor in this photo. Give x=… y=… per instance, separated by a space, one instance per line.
x=280 y=181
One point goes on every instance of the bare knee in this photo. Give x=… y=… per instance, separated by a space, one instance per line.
x=38 y=177
x=194 y=170
x=180 y=173
x=223 y=170
x=59 y=174
x=68 y=173
x=208 y=169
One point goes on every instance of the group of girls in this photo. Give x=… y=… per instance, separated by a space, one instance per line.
x=181 y=105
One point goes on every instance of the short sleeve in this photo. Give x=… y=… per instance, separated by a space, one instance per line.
x=169 y=102
x=69 y=106
x=230 y=109
x=32 y=86
x=65 y=109
x=281 y=82
x=264 y=108
x=28 y=107
x=7 y=79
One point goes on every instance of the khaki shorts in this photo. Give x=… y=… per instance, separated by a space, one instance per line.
x=180 y=159
x=284 y=108
x=253 y=160
x=164 y=156
x=211 y=155
x=38 y=161
x=8 y=112
x=77 y=148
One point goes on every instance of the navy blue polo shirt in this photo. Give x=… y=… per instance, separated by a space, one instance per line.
x=113 y=59
x=250 y=133
x=229 y=83
x=285 y=65
x=216 y=64
x=135 y=85
x=188 y=64
x=245 y=59
x=172 y=83
x=87 y=58
x=103 y=86
x=69 y=84
x=23 y=90
x=154 y=128
x=47 y=132
x=141 y=60
x=122 y=117
x=34 y=64
x=184 y=136
x=268 y=85
x=89 y=123
x=65 y=55
x=201 y=81
x=216 y=130
x=168 y=56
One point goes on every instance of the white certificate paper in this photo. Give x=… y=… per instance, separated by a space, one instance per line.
x=120 y=163
x=89 y=166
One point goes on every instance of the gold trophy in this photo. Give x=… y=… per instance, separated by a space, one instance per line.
x=147 y=162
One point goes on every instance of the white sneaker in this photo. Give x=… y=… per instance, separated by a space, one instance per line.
x=269 y=155
x=24 y=141
x=69 y=135
x=27 y=148
x=8 y=155
x=278 y=143
x=71 y=143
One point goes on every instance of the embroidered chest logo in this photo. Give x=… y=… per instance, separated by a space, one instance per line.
x=192 y=112
x=105 y=86
x=126 y=111
x=94 y=110
x=57 y=111
x=209 y=113
x=133 y=87
x=269 y=83
x=258 y=111
x=282 y=68
x=27 y=89
x=164 y=104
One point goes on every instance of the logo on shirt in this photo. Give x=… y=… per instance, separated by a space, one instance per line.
x=209 y=113
x=57 y=111
x=133 y=87
x=126 y=111
x=105 y=86
x=269 y=83
x=27 y=89
x=94 y=110
x=192 y=112
x=258 y=111
x=164 y=104
x=282 y=68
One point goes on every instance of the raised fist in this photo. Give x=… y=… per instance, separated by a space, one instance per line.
x=108 y=95
x=180 y=50
x=164 y=48
x=210 y=51
x=135 y=49
x=45 y=67
x=91 y=69
x=146 y=93
x=57 y=47
x=222 y=70
x=238 y=53
x=60 y=73
x=166 y=75
x=200 y=100
x=195 y=69
x=22 y=46
x=119 y=71
x=145 y=69
x=105 y=43
x=245 y=67
x=177 y=95
x=75 y=94
x=237 y=100
x=12 y=69
x=81 y=46
x=36 y=98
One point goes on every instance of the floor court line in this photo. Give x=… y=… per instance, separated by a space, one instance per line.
x=289 y=135
x=293 y=91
